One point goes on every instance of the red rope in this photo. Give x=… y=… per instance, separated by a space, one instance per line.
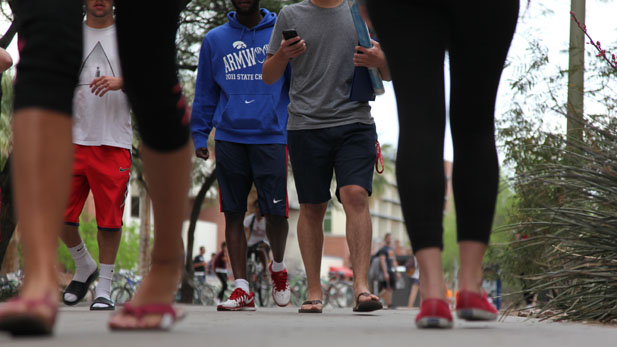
x=379 y=160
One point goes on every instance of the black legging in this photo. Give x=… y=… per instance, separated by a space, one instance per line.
x=223 y=278
x=415 y=36
x=50 y=44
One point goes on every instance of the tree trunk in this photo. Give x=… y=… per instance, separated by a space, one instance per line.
x=144 y=231
x=187 y=289
x=8 y=221
x=576 y=73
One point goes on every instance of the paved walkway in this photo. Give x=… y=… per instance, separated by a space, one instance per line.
x=273 y=327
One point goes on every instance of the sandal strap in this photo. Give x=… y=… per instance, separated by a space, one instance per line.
x=33 y=303
x=312 y=302
x=102 y=300
x=141 y=311
x=362 y=294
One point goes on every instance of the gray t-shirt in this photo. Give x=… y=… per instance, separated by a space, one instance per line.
x=321 y=77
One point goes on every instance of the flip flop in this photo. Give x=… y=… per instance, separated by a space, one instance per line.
x=79 y=289
x=311 y=310
x=110 y=306
x=169 y=316
x=26 y=323
x=367 y=306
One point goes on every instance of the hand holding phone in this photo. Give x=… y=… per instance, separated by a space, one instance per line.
x=290 y=34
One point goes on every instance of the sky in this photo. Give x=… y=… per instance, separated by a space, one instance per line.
x=548 y=19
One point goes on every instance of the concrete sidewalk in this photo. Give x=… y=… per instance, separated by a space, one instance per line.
x=335 y=327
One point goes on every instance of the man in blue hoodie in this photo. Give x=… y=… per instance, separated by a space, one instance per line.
x=250 y=118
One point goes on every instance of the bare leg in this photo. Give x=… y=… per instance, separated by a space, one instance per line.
x=431 y=272
x=168 y=174
x=277 y=229
x=109 y=243
x=70 y=236
x=470 y=274
x=236 y=243
x=359 y=236
x=310 y=238
x=386 y=294
x=412 y=295
x=43 y=156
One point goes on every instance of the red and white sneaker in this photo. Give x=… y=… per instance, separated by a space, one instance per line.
x=475 y=307
x=280 y=287
x=434 y=313
x=238 y=301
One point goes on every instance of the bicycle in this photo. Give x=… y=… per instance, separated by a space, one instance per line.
x=298 y=288
x=123 y=293
x=203 y=293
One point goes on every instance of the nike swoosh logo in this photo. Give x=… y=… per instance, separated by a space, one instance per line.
x=276 y=201
x=122 y=170
x=249 y=101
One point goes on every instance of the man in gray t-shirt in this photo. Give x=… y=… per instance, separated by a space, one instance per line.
x=327 y=132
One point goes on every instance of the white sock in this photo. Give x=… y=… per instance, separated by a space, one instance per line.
x=103 y=288
x=243 y=284
x=276 y=267
x=84 y=266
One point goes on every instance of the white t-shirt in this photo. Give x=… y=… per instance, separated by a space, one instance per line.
x=100 y=120
x=259 y=230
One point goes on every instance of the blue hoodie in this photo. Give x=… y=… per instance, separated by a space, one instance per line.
x=230 y=94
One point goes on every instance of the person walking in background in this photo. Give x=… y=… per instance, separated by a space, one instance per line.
x=257 y=237
x=210 y=266
x=199 y=265
x=388 y=265
x=220 y=269
x=436 y=28
x=102 y=140
x=50 y=38
x=414 y=269
x=250 y=118
x=328 y=133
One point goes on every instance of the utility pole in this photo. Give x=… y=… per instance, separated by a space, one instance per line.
x=576 y=72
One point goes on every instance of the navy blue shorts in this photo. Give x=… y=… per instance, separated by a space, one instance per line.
x=348 y=151
x=239 y=165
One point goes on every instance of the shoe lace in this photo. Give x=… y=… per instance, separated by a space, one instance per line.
x=237 y=295
x=280 y=280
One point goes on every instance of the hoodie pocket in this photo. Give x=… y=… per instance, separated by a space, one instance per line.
x=250 y=111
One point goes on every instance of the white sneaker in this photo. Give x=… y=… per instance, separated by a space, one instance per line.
x=238 y=301
x=280 y=287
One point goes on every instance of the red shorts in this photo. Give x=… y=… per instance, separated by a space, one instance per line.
x=105 y=170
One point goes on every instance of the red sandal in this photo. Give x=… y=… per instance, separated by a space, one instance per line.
x=19 y=316
x=169 y=316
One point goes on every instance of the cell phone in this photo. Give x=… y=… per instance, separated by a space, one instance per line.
x=289 y=34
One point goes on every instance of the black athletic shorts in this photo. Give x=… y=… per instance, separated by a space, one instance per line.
x=240 y=165
x=349 y=151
